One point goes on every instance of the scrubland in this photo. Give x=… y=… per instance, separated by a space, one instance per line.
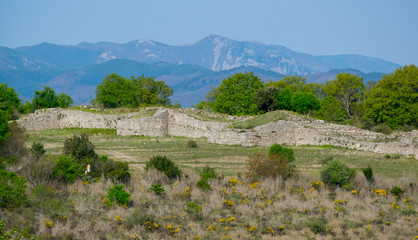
x=233 y=207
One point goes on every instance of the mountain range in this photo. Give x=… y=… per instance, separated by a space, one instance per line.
x=191 y=70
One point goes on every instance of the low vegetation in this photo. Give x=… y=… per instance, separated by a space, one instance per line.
x=267 y=193
x=259 y=120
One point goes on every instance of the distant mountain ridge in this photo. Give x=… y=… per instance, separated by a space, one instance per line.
x=214 y=52
x=189 y=82
x=191 y=70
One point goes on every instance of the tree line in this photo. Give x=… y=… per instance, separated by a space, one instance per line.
x=390 y=103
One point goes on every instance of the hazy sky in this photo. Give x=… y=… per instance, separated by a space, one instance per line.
x=376 y=28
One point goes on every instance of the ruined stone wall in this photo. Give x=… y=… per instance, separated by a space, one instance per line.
x=61 y=118
x=155 y=126
x=180 y=124
x=166 y=122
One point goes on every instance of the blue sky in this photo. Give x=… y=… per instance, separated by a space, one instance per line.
x=376 y=28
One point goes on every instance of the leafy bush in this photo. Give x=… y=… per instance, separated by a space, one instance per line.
x=79 y=147
x=193 y=209
x=326 y=160
x=117 y=171
x=368 y=173
x=12 y=190
x=15 y=144
x=157 y=188
x=38 y=170
x=273 y=165
x=397 y=191
x=37 y=149
x=317 y=226
x=207 y=174
x=119 y=195
x=337 y=173
x=382 y=128
x=192 y=144
x=203 y=184
x=165 y=165
x=67 y=169
x=288 y=153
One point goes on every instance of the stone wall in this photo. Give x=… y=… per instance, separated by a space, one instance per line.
x=167 y=122
x=155 y=126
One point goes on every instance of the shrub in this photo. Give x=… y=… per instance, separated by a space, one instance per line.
x=368 y=173
x=79 y=147
x=157 y=188
x=119 y=195
x=397 y=191
x=326 y=160
x=192 y=144
x=262 y=166
x=207 y=174
x=382 y=128
x=67 y=169
x=15 y=146
x=337 y=173
x=203 y=184
x=317 y=226
x=37 y=170
x=12 y=190
x=37 y=149
x=117 y=171
x=165 y=165
x=139 y=217
x=193 y=209
x=282 y=151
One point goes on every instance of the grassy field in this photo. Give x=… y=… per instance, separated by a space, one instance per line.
x=228 y=160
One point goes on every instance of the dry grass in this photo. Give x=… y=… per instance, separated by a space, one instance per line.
x=271 y=209
x=287 y=207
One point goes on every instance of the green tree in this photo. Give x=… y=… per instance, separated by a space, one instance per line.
x=64 y=100
x=331 y=110
x=149 y=91
x=115 y=91
x=9 y=101
x=394 y=99
x=4 y=128
x=210 y=99
x=266 y=99
x=45 y=98
x=285 y=99
x=347 y=89
x=236 y=94
x=294 y=83
x=303 y=102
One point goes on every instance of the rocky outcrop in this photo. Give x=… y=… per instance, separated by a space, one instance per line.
x=167 y=122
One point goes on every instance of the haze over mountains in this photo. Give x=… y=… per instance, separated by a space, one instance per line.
x=189 y=69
